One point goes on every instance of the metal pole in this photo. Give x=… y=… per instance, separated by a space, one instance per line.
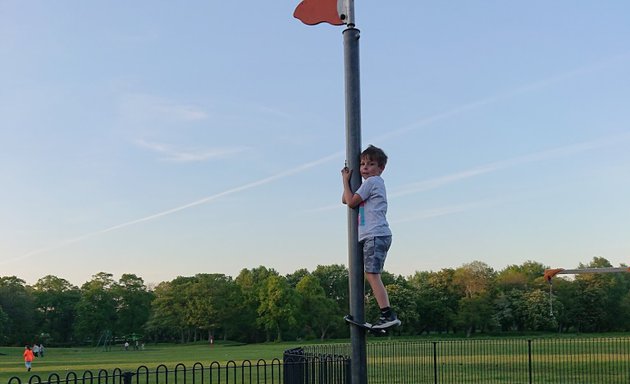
x=353 y=151
x=529 y=360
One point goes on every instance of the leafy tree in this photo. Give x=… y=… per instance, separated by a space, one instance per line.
x=476 y=280
x=317 y=313
x=537 y=312
x=234 y=305
x=207 y=301
x=4 y=321
x=504 y=312
x=444 y=299
x=512 y=278
x=565 y=295
x=96 y=309
x=16 y=301
x=294 y=278
x=437 y=298
x=600 y=299
x=514 y=283
x=133 y=304
x=597 y=262
x=530 y=272
x=182 y=291
x=167 y=311
x=259 y=304
x=56 y=301
x=508 y=310
x=616 y=287
x=278 y=307
x=590 y=309
x=475 y=313
x=335 y=281
x=624 y=316
x=251 y=284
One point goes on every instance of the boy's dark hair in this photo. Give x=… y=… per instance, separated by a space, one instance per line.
x=375 y=154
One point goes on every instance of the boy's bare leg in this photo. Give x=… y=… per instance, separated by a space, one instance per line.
x=380 y=293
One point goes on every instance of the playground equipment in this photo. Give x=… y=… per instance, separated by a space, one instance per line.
x=105 y=341
x=550 y=273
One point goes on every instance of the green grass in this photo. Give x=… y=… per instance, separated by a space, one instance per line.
x=489 y=360
x=62 y=360
x=554 y=360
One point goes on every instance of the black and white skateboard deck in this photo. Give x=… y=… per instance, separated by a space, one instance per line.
x=367 y=326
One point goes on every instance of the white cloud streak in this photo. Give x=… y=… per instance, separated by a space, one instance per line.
x=195 y=114
x=509 y=163
x=426 y=185
x=443 y=211
x=527 y=88
x=205 y=200
x=187 y=156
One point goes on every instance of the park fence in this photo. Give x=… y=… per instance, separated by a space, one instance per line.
x=297 y=367
x=494 y=361
x=491 y=361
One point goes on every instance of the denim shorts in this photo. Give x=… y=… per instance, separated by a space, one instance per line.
x=374 y=253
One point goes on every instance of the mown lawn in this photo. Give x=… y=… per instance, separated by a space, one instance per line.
x=62 y=360
x=566 y=358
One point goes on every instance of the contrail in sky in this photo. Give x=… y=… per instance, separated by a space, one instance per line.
x=503 y=164
x=410 y=189
x=502 y=96
x=442 y=211
x=441 y=181
x=205 y=200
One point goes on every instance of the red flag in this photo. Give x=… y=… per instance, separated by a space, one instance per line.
x=313 y=12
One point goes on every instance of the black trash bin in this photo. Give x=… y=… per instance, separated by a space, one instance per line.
x=307 y=368
x=295 y=366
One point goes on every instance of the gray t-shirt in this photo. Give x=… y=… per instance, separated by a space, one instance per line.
x=373 y=208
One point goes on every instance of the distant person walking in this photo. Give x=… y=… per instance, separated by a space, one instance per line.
x=28 y=357
x=36 y=350
x=41 y=350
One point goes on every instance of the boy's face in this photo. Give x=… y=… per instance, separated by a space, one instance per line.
x=370 y=168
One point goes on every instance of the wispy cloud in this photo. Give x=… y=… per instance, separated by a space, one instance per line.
x=509 y=163
x=171 y=153
x=431 y=213
x=443 y=211
x=205 y=200
x=145 y=107
x=186 y=112
x=445 y=180
x=274 y=112
x=527 y=88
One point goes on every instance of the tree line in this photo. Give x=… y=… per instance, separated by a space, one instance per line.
x=262 y=305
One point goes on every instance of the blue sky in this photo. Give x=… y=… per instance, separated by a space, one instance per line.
x=166 y=138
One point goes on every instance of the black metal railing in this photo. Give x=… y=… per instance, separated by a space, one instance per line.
x=500 y=361
x=297 y=367
x=301 y=367
x=489 y=361
x=247 y=372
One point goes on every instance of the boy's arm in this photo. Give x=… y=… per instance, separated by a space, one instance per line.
x=352 y=200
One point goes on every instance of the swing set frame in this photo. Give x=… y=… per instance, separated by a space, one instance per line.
x=550 y=273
